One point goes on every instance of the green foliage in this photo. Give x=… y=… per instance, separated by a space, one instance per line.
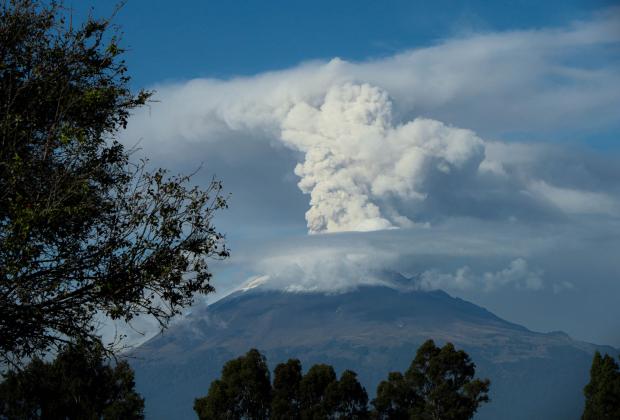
x=243 y=392
x=84 y=231
x=394 y=398
x=603 y=392
x=323 y=396
x=439 y=384
x=285 y=402
x=77 y=385
x=313 y=391
x=347 y=398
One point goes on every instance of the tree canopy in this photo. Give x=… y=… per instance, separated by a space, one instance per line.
x=439 y=384
x=84 y=231
x=244 y=392
x=286 y=399
x=76 y=385
x=347 y=398
x=313 y=391
x=603 y=391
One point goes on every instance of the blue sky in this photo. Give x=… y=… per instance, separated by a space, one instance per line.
x=471 y=145
x=208 y=38
x=220 y=39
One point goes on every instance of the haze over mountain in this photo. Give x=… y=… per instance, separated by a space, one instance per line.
x=372 y=330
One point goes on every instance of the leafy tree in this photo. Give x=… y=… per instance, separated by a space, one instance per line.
x=83 y=230
x=77 y=385
x=603 y=392
x=218 y=404
x=323 y=396
x=439 y=384
x=313 y=391
x=243 y=392
x=347 y=398
x=395 y=397
x=285 y=403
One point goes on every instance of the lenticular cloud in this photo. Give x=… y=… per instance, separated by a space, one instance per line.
x=356 y=158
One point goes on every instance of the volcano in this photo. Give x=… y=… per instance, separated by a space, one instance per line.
x=372 y=330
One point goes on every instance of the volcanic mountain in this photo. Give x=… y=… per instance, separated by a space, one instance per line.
x=372 y=330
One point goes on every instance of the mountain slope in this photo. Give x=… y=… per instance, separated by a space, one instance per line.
x=371 y=330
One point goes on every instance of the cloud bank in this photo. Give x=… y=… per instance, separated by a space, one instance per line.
x=468 y=256
x=379 y=143
x=517 y=274
x=342 y=272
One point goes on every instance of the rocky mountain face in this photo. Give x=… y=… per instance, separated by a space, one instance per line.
x=371 y=330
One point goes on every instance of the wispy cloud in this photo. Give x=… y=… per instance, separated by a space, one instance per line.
x=378 y=143
x=517 y=275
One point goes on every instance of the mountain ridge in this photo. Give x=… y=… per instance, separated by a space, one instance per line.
x=371 y=330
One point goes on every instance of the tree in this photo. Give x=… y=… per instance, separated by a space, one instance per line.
x=347 y=398
x=323 y=396
x=84 y=231
x=285 y=403
x=439 y=384
x=603 y=391
x=243 y=392
x=76 y=385
x=395 y=397
x=313 y=391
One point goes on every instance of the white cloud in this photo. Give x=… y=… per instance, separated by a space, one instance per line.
x=354 y=155
x=517 y=275
x=576 y=201
x=335 y=270
x=483 y=81
x=377 y=141
x=435 y=279
x=320 y=270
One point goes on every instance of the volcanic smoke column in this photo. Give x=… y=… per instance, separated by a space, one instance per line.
x=355 y=158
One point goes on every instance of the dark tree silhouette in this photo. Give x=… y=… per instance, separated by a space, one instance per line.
x=603 y=391
x=243 y=392
x=347 y=398
x=285 y=403
x=439 y=384
x=77 y=385
x=313 y=391
x=395 y=397
x=83 y=230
